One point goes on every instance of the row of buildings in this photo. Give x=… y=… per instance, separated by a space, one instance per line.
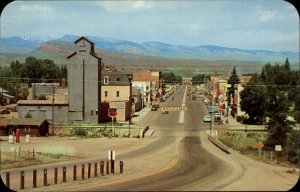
x=217 y=88
x=90 y=90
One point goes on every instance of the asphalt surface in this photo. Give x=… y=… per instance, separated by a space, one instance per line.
x=194 y=164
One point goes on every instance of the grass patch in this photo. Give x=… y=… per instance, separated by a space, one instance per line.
x=97 y=132
x=10 y=160
x=245 y=143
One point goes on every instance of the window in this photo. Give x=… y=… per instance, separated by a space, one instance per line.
x=105 y=93
x=92 y=112
x=117 y=93
x=106 y=80
x=118 y=79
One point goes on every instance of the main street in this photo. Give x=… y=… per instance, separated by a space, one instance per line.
x=199 y=165
x=180 y=157
x=195 y=164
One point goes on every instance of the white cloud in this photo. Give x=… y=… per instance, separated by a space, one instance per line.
x=266 y=15
x=124 y=6
x=36 y=7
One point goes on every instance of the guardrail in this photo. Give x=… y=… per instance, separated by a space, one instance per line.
x=217 y=143
x=143 y=131
x=246 y=129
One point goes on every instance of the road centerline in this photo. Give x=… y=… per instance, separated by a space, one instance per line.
x=181 y=114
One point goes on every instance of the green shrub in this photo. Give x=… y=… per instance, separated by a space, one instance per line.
x=28 y=115
x=291 y=151
x=80 y=131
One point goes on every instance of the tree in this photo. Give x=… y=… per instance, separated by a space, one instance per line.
x=169 y=77
x=272 y=90
x=253 y=99
x=200 y=78
x=277 y=79
x=287 y=64
x=33 y=70
x=178 y=79
x=233 y=80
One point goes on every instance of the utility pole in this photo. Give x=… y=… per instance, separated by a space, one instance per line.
x=213 y=111
x=53 y=109
x=2 y=98
x=142 y=105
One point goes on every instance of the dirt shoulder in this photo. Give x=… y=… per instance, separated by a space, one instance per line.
x=248 y=174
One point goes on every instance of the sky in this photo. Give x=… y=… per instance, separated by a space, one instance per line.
x=246 y=24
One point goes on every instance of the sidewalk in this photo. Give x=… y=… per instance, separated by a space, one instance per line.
x=137 y=119
x=139 y=115
x=234 y=124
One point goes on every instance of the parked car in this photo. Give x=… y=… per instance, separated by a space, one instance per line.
x=206 y=118
x=217 y=118
x=5 y=111
x=154 y=107
x=162 y=99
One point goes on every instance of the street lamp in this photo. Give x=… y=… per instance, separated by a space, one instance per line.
x=130 y=76
x=142 y=105
x=53 y=91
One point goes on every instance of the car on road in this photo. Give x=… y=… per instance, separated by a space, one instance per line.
x=164 y=111
x=162 y=99
x=154 y=107
x=206 y=118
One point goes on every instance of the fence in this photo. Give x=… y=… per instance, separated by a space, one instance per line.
x=55 y=175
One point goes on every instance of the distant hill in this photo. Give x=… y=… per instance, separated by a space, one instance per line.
x=17 y=45
x=128 y=62
x=128 y=56
x=203 y=52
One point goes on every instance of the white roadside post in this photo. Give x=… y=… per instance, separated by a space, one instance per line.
x=278 y=149
x=27 y=138
x=112 y=157
x=11 y=139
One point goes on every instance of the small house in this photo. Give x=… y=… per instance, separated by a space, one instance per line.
x=32 y=127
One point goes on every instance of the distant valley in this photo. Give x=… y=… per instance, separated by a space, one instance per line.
x=128 y=56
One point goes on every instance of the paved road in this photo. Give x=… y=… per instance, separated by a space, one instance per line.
x=197 y=164
x=194 y=163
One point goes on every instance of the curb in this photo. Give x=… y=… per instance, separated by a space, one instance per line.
x=218 y=143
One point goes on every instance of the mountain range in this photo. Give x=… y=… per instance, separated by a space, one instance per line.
x=18 y=45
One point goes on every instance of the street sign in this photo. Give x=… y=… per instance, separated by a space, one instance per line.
x=278 y=148
x=120 y=105
x=260 y=145
x=111 y=155
x=112 y=112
